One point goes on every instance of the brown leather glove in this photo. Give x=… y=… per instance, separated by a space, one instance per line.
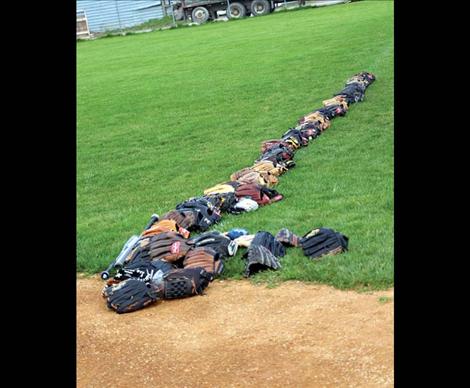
x=184 y=219
x=261 y=178
x=169 y=246
x=161 y=227
x=204 y=257
x=236 y=175
x=269 y=166
x=252 y=191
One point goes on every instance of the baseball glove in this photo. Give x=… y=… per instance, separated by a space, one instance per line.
x=260 y=178
x=259 y=258
x=224 y=201
x=273 y=168
x=334 y=101
x=222 y=244
x=286 y=237
x=293 y=143
x=287 y=165
x=184 y=219
x=206 y=258
x=295 y=135
x=181 y=283
x=268 y=241
x=331 y=111
x=323 y=241
x=130 y=295
x=363 y=77
x=252 y=191
x=170 y=246
x=221 y=188
x=161 y=226
x=352 y=93
x=277 y=153
x=272 y=194
x=240 y=173
x=143 y=269
x=206 y=214
x=270 y=144
x=310 y=130
x=261 y=195
x=316 y=116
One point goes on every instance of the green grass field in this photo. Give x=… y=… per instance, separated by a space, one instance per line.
x=162 y=116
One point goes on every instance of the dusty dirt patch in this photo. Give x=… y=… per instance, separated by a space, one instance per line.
x=238 y=335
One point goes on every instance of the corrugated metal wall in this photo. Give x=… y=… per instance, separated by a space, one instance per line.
x=105 y=15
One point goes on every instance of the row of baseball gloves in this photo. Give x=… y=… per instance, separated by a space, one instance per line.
x=165 y=263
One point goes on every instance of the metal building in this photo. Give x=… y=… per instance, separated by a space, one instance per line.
x=107 y=15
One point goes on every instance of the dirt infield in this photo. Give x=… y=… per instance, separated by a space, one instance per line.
x=238 y=335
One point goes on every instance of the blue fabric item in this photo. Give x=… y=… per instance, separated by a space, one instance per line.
x=237 y=232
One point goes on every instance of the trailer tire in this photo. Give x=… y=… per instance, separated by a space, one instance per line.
x=236 y=11
x=200 y=15
x=260 y=7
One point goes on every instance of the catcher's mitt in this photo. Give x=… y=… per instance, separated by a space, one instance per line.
x=222 y=244
x=206 y=258
x=181 y=283
x=268 y=241
x=323 y=241
x=130 y=295
x=170 y=246
x=259 y=258
x=288 y=238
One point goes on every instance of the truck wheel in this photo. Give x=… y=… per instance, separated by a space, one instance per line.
x=260 y=7
x=236 y=11
x=200 y=15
